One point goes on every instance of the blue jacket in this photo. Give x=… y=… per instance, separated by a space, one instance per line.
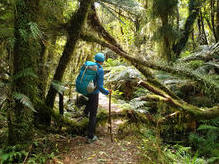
x=99 y=81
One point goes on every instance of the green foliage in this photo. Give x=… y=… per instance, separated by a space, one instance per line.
x=180 y=154
x=206 y=140
x=128 y=5
x=36 y=33
x=24 y=100
x=58 y=86
x=195 y=64
x=113 y=62
x=27 y=72
x=40 y=158
x=162 y=8
x=12 y=154
x=122 y=73
x=166 y=30
x=136 y=104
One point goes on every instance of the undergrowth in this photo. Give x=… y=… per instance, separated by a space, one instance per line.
x=43 y=149
x=154 y=150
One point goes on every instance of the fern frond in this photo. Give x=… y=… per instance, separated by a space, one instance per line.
x=208 y=127
x=137 y=103
x=25 y=73
x=6 y=32
x=24 y=100
x=35 y=30
x=213 y=159
x=58 y=86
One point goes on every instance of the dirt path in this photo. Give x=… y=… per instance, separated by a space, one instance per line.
x=103 y=150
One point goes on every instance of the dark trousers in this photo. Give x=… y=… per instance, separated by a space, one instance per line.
x=91 y=108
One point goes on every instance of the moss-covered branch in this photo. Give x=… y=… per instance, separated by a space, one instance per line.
x=196 y=112
x=201 y=81
x=151 y=79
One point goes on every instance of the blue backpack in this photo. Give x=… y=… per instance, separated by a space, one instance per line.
x=85 y=80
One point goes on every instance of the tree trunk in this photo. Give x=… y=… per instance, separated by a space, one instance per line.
x=166 y=45
x=42 y=116
x=212 y=19
x=74 y=30
x=217 y=20
x=193 y=40
x=193 y=13
x=42 y=71
x=202 y=38
x=26 y=51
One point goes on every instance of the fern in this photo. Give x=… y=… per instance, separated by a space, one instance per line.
x=24 y=100
x=6 y=32
x=36 y=33
x=58 y=86
x=207 y=141
x=28 y=72
x=208 y=127
x=12 y=154
x=137 y=103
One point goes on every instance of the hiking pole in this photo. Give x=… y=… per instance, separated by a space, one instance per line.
x=109 y=118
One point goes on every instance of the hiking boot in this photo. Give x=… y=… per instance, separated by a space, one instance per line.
x=91 y=140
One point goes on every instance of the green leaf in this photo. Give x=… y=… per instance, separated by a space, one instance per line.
x=24 y=100
x=207 y=127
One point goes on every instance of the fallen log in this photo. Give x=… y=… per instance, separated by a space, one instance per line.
x=180 y=105
x=79 y=128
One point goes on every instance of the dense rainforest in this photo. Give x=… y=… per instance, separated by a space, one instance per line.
x=162 y=64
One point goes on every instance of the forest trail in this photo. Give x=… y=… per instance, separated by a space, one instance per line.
x=102 y=151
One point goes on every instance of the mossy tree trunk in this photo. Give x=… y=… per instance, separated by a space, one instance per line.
x=26 y=51
x=217 y=20
x=212 y=24
x=201 y=28
x=74 y=29
x=166 y=44
x=193 y=13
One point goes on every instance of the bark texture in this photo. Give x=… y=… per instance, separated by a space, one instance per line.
x=73 y=30
x=26 y=51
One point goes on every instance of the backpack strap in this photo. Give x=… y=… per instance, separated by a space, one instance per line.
x=83 y=73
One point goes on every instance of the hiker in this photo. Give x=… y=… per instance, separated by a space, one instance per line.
x=92 y=104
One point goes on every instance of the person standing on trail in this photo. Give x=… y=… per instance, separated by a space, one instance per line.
x=93 y=98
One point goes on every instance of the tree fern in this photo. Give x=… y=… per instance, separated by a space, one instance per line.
x=24 y=100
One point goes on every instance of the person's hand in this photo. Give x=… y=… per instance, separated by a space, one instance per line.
x=110 y=91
